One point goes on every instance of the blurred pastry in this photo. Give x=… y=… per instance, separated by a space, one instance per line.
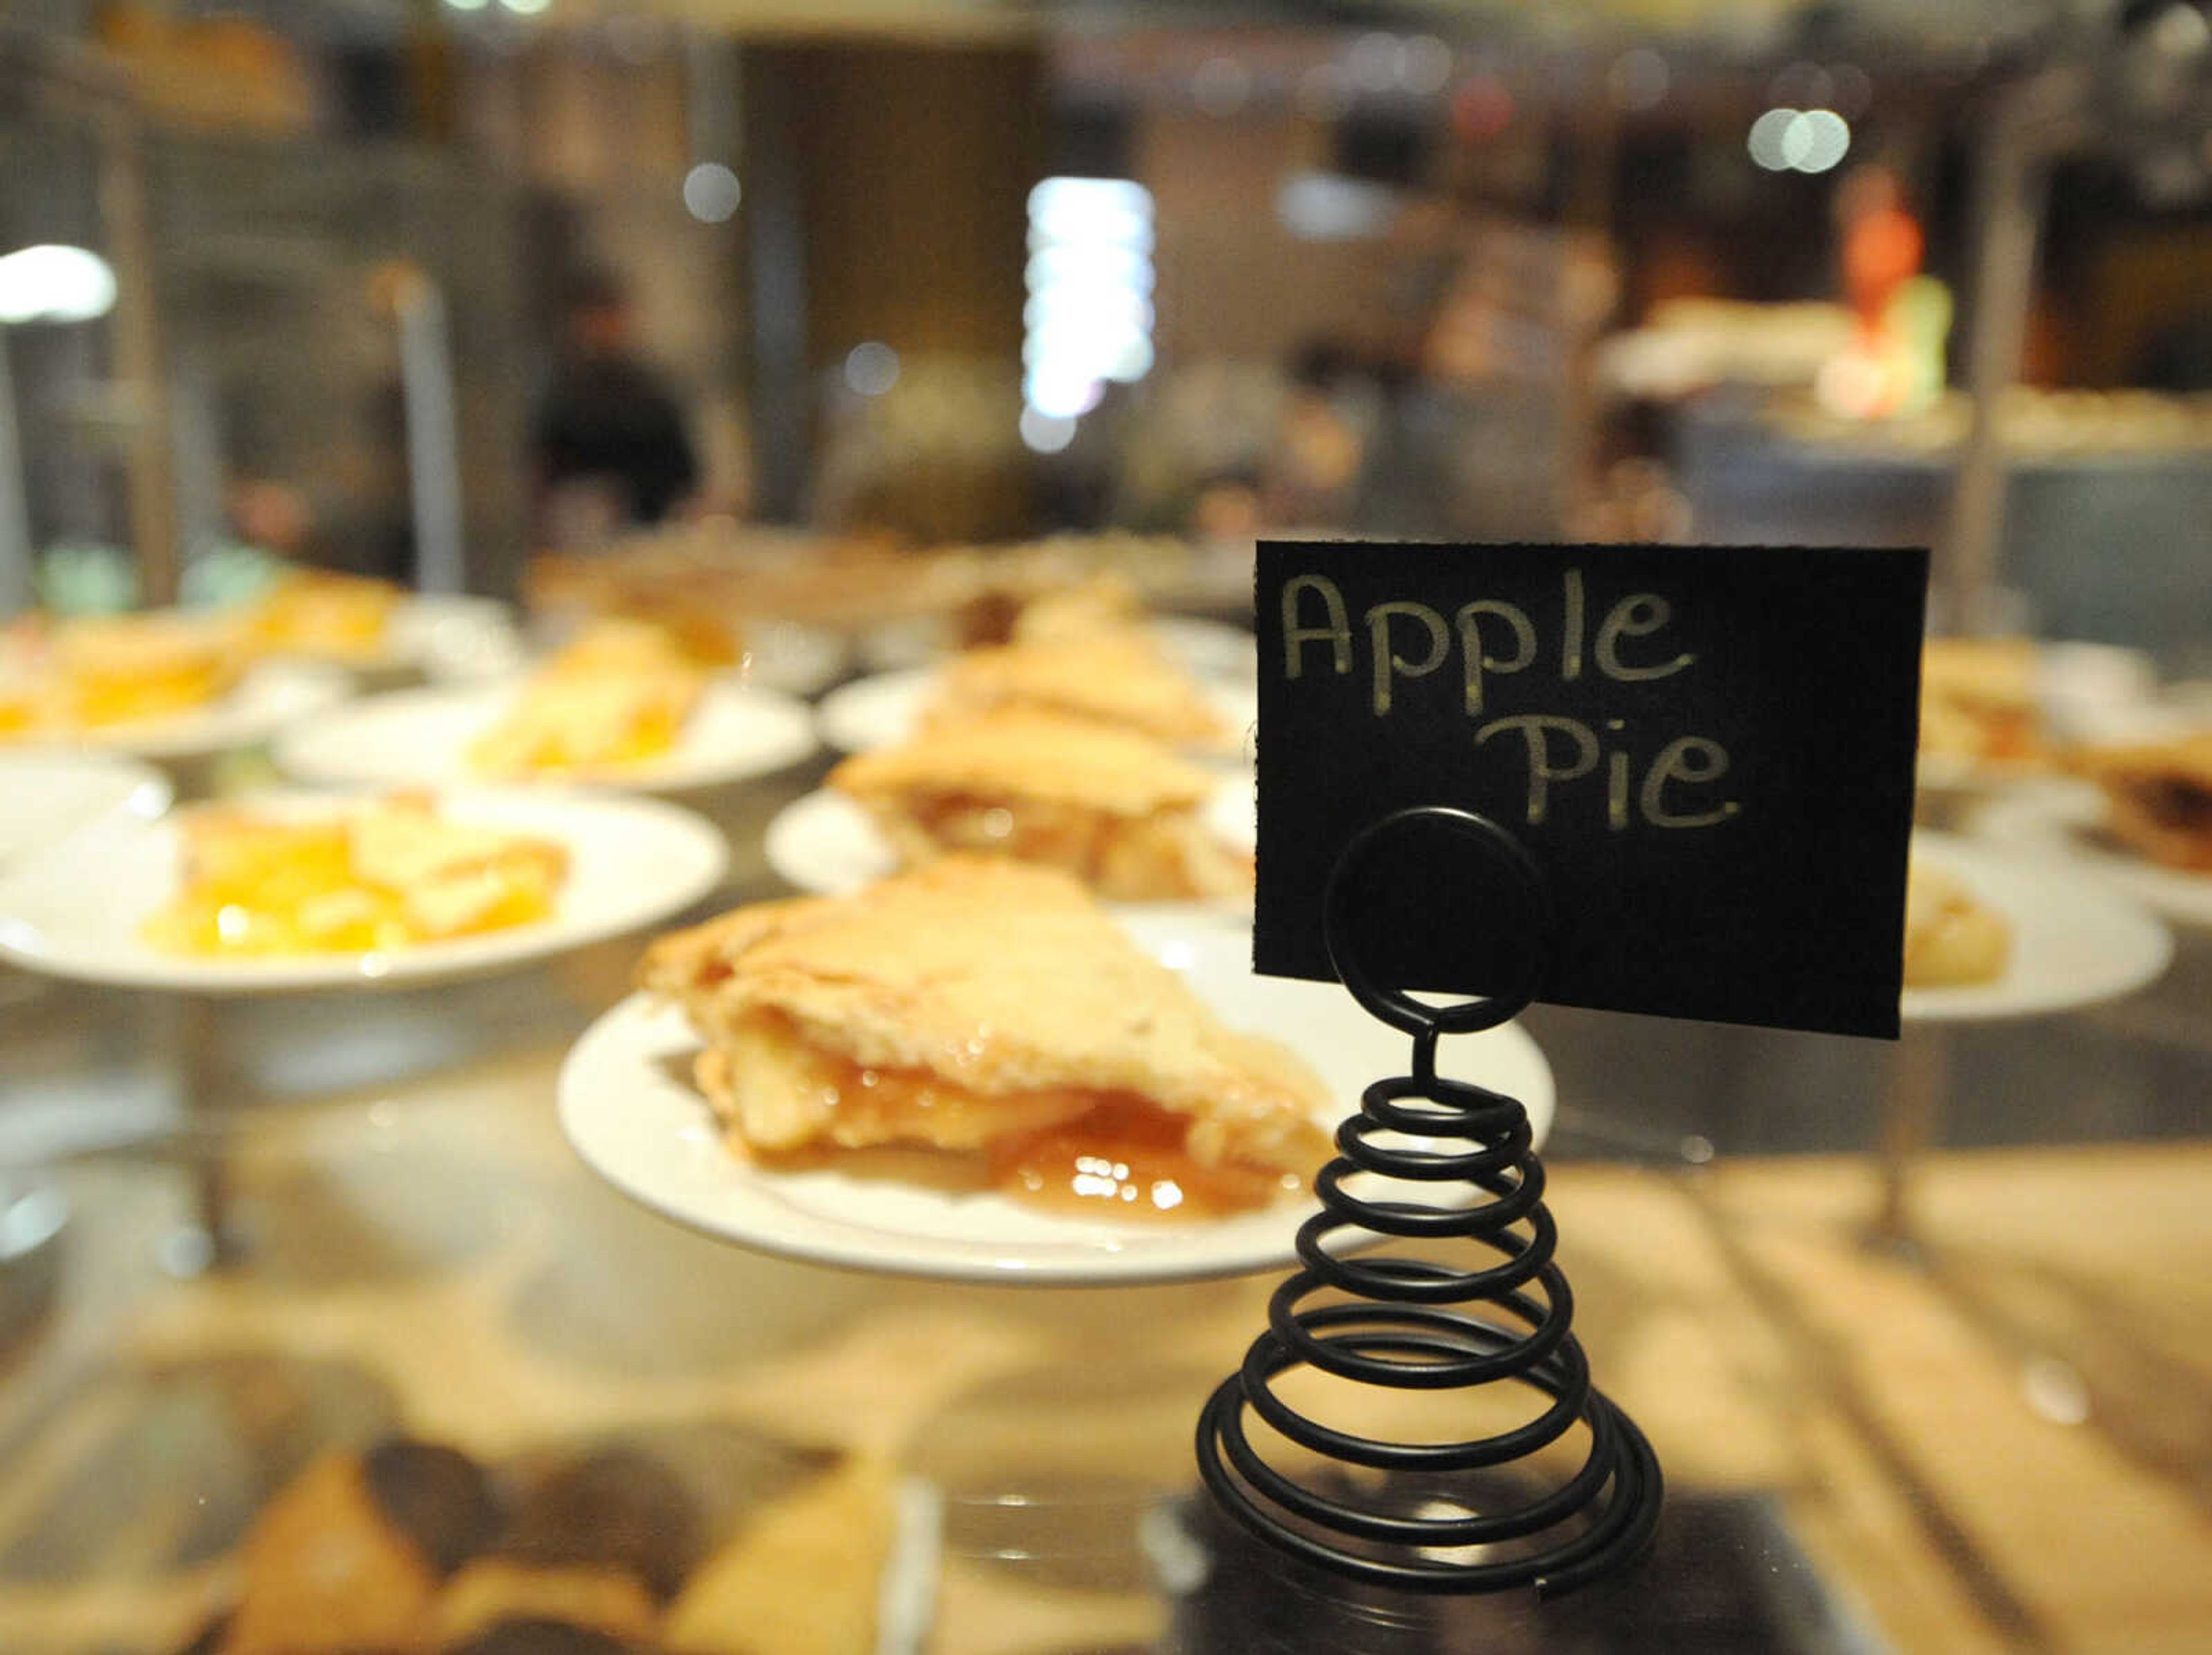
x=1116 y=809
x=802 y=1578
x=1116 y=677
x=437 y=1496
x=1950 y=939
x=22 y=706
x=380 y=875
x=542 y=1637
x=319 y=613
x=2158 y=797
x=1101 y=603
x=990 y=1009
x=326 y=1569
x=619 y=694
x=493 y=1589
x=1980 y=700
x=119 y=669
x=614 y=1509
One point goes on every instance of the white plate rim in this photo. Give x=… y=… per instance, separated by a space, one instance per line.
x=877 y=711
x=322 y=751
x=272 y=695
x=2054 y=822
x=2053 y=911
x=135 y=788
x=600 y=1122
x=690 y=856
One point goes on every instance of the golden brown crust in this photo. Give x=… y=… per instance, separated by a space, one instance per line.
x=1101 y=603
x=1980 y=700
x=1116 y=809
x=2159 y=797
x=494 y=1589
x=324 y=1570
x=1950 y=938
x=999 y=979
x=801 y=1578
x=1029 y=753
x=1115 y=677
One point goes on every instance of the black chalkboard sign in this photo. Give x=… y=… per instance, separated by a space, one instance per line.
x=1708 y=749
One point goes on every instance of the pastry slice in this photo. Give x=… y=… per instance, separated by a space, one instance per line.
x=619 y=694
x=451 y=877
x=1102 y=603
x=2158 y=797
x=1980 y=700
x=382 y=875
x=802 y=1578
x=1113 y=677
x=317 y=612
x=1116 y=809
x=992 y=1010
x=124 y=667
x=324 y=1570
x=1950 y=938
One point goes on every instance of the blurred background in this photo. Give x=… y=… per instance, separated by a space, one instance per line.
x=390 y=285
x=849 y=342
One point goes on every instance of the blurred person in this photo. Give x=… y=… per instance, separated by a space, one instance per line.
x=1901 y=318
x=613 y=448
x=1883 y=243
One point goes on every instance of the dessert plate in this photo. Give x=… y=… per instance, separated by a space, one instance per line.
x=420 y=737
x=886 y=710
x=794 y=659
x=2074 y=943
x=448 y=637
x=46 y=796
x=440 y=635
x=629 y=1109
x=75 y=910
x=824 y=844
x=2063 y=821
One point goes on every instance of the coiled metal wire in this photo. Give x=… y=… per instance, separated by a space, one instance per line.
x=1420 y=1323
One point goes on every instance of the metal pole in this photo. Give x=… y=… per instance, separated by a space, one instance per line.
x=2011 y=182
x=434 y=472
x=14 y=505
x=149 y=486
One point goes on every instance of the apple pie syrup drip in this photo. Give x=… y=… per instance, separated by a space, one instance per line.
x=1411 y=1322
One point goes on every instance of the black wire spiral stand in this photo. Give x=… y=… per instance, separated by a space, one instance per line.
x=1418 y=1325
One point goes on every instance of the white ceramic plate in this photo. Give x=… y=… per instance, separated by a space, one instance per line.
x=44 y=797
x=886 y=710
x=1210 y=649
x=269 y=697
x=420 y=738
x=451 y=638
x=74 y=911
x=823 y=842
x=629 y=1108
x=796 y=660
x=2075 y=942
x=2063 y=821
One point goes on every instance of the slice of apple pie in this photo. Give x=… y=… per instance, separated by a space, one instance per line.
x=995 y=1011
x=619 y=694
x=2158 y=797
x=1116 y=809
x=383 y=873
x=1112 y=676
